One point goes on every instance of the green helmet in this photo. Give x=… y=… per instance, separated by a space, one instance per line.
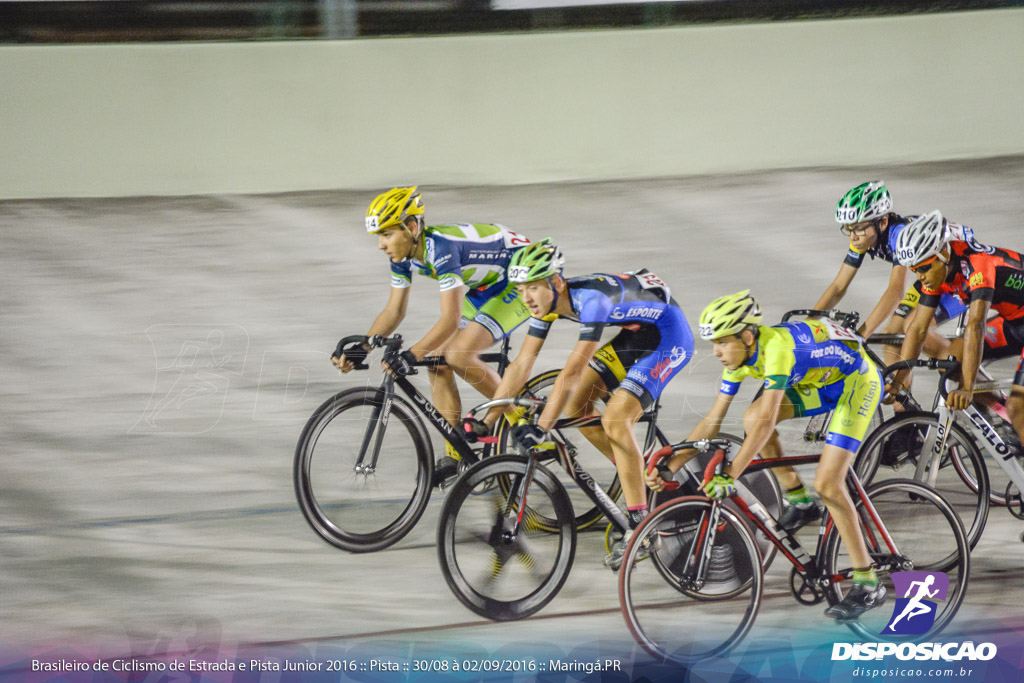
x=729 y=314
x=865 y=202
x=535 y=262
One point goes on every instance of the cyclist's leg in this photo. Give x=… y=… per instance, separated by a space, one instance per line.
x=862 y=392
x=443 y=391
x=591 y=389
x=791 y=407
x=645 y=380
x=621 y=414
x=1015 y=403
x=462 y=353
x=488 y=320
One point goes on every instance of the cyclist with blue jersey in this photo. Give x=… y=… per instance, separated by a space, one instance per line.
x=806 y=368
x=654 y=343
x=478 y=304
x=865 y=216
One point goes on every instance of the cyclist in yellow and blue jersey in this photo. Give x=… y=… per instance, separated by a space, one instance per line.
x=478 y=304
x=806 y=368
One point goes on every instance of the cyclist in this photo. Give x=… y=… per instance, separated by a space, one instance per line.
x=654 y=344
x=458 y=256
x=984 y=278
x=865 y=216
x=807 y=368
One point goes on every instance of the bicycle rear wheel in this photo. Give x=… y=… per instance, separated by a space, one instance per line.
x=600 y=468
x=928 y=537
x=701 y=592
x=347 y=503
x=494 y=571
x=893 y=450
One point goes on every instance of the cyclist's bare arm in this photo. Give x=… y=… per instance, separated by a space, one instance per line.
x=384 y=324
x=445 y=327
x=886 y=306
x=974 y=342
x=568 y=379
x=765 y=417
x=708 y=428
x=516 y=375
x=835 y=292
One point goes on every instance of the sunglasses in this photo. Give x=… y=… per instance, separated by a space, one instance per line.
x=925 y=266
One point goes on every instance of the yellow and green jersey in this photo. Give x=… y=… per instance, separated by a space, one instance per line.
x=803 y=355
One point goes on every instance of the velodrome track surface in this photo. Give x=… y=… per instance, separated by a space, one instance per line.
x=160 y=356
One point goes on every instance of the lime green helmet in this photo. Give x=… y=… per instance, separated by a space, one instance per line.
x=536 y=261
x=729 y=314
x=866 y=202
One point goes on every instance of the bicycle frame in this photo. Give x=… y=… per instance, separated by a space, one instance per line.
x=567 y=452
x=386 y=391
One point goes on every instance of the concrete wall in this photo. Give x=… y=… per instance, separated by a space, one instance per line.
x=264 y=117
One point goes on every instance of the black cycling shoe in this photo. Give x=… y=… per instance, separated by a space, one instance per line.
x=445 y=469
x=858 y=601
x=793 y=516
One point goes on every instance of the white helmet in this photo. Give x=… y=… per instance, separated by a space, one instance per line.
x=922 y=238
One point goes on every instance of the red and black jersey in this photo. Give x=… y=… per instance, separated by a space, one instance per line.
x=983 y=273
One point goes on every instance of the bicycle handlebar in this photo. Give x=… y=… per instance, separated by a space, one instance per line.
x=849 y=320
x=930 y=363
x=701 y=445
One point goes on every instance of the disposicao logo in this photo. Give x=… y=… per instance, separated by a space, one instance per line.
x=914 y=613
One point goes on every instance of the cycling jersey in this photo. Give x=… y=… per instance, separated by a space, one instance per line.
x=655 y=343
x=476 y=256
x=821 y=367
x=987 y=274
x=885 y=249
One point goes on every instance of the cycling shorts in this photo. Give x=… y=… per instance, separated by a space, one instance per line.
x=854 y=400
x=642 y=359
x=950 y=306
x=500 y=313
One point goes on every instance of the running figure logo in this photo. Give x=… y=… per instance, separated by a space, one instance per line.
x=914 y=613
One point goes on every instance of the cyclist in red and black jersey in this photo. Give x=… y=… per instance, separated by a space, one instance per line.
x=983 y=277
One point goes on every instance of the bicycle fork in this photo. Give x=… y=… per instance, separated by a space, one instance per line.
x=375 y=428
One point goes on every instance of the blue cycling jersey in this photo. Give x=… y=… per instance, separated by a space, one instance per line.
x=600 y=299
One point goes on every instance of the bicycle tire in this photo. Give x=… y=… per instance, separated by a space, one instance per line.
x=476 y=556
x=683 y=621
x=350 y=510
x=917 y=519
x=591 y=514
x=962 y=478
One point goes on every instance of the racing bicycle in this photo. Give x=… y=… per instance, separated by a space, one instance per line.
x=364 y=463
x=701 y=591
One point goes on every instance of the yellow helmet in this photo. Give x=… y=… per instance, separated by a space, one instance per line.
x=729 y=315
x=392 y=208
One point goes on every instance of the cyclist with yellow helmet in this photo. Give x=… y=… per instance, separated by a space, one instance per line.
x=807 y=368
x=654 y=344
x=478 y=304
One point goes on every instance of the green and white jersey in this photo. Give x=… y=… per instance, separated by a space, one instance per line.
x=475 y=255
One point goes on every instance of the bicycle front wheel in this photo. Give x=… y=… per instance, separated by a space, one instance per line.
x=700 y=595
x=501 y=564
x=362 y=482
x=894 y=450
x=927 y=536
x=600 y=468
